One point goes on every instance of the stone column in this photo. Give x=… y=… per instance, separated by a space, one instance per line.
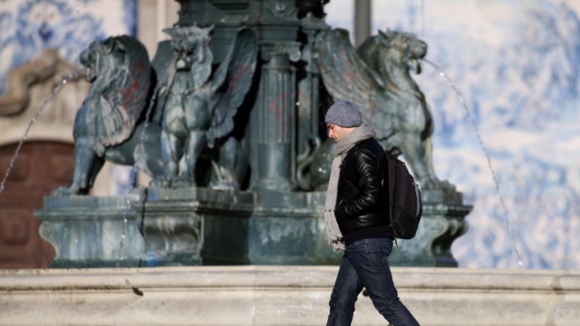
x=362 y=21
x=272 y=129
x=275 y=117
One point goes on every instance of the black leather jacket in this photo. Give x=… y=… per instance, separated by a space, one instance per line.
x=362 y=200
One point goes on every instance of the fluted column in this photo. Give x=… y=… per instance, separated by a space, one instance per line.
x=269 y=138
x=275 y=121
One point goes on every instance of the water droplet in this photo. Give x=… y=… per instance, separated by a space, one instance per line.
x=122 y=236
x=520 y=263
x=297 y=103
x=76 y=240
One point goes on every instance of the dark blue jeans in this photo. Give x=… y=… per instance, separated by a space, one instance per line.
x=365 y=264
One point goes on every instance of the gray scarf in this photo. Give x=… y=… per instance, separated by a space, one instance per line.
x=365 y=131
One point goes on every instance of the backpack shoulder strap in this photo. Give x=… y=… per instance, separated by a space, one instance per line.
x=391 y=164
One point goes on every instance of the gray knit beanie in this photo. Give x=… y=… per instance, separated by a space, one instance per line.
x=343 y=114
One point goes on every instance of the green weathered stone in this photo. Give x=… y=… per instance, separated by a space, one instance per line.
x=275 y=214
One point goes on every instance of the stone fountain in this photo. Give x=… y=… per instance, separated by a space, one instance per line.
x=226 y=121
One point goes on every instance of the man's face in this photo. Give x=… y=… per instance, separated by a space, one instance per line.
x=337 y=132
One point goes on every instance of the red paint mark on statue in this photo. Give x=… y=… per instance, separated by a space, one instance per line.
x=130 y=94
x=236 y=77
x=348 y=74
x=276 y=106
x=139 y=66
x=373 y=105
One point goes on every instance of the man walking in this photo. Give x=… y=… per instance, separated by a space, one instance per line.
x=357 y=219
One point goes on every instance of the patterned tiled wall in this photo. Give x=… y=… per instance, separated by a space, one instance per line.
x=517 y=63
x=29 y=26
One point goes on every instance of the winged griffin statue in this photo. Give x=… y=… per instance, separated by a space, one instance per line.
x=377 y=79
x=199 y=106
x=107 y=125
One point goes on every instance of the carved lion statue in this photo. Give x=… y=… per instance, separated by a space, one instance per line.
x=377 y=79
x=109 y=123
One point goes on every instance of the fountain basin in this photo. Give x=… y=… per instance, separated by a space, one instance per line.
x=194 y=226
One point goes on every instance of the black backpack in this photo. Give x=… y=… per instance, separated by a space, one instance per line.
x=404 y=198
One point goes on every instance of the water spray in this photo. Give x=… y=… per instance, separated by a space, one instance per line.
x=74 y=75
x=138 y=153
x=474 y=125
x=134 y=169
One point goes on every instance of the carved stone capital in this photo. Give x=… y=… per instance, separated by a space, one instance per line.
x=279 y=10
x=311 y=24
x=291 y=49
x=201 y=12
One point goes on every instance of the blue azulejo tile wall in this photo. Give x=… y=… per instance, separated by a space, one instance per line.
x=29 y=26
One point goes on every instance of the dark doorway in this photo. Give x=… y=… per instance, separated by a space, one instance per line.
x=40 y=167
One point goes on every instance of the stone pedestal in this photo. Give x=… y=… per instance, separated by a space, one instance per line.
x=144 y=229
x=88 y=231
x=191 y=226
x=187 y=226
x=172 y=226
x=292 y=232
